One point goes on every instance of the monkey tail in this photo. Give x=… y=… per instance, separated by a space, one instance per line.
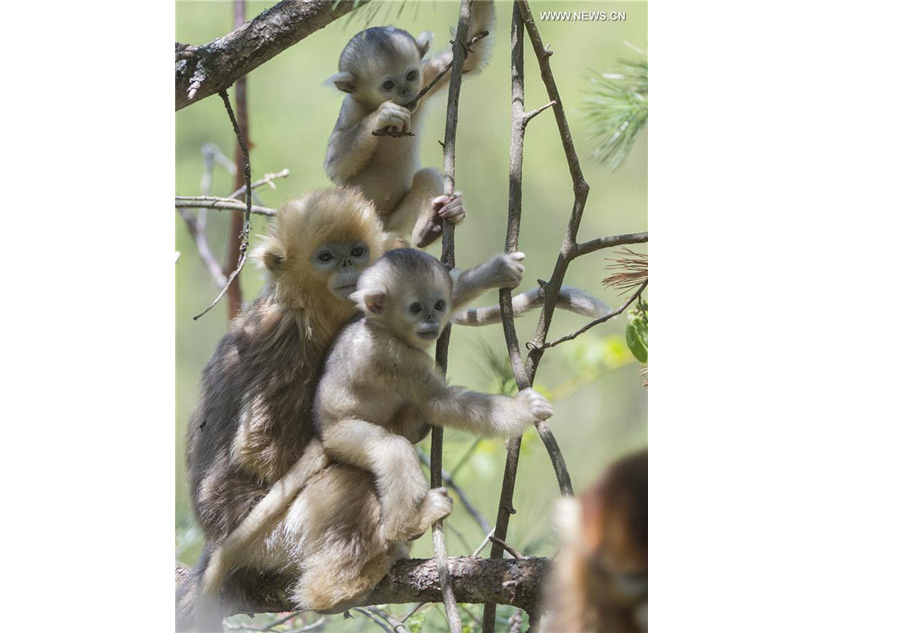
x=192 y=613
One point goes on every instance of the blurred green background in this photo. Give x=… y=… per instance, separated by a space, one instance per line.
x=593 y=381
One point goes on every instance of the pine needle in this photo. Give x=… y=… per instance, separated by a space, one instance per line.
x=633 y=267
x=617 y=110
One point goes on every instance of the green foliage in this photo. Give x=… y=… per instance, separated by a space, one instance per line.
x=636 y=335
x=617 y=110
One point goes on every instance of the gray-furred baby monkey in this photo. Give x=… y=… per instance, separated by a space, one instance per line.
x=382 y=70
x=380 y=384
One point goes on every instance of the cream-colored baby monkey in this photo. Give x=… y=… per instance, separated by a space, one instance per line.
x=382 y=70
x=380 y=384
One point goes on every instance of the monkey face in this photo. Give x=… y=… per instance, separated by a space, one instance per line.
x=401 y=84
x=424 y=312
x=339 y=265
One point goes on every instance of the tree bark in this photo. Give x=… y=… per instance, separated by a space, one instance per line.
x=206 y=69
x=474 y=580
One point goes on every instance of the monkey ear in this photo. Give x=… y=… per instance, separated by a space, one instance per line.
x=343 y=81
x=423 y=42
x=272 y=257
x=371 y=299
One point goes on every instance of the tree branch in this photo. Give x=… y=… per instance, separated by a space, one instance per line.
x=474 y=580
x=608 y=242
x=206 y=69
x=219 y=204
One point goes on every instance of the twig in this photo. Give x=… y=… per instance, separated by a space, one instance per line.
x=245 y=233
x=206 y=256
x=530 y=115
x=487 y=539
x=369 y=614
x=595 y=322
x=465 y=458
x=396 y=625
x=509 y=548
x=219 y=204
x=450 y=483
x=236 y=245
x=608 y=242
x=265 y=180
x=415 y=102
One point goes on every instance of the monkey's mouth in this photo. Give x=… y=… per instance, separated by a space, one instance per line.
x=344 y=292
x=429 y=334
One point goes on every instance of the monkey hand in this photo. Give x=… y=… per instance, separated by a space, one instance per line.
x=392 y=118
x=504 y=270
x=531 y=408
x=449 y=208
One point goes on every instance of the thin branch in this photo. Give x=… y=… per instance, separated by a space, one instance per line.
x=204 y=70
x=450 y=483
x=219 y=204
x=415 y=102
x=245 y=233
x=509 y=548
x=596 y=322
x=396 y=625
x=608 y=242
x=265 y=180
x=530 y=115
x=448 y=258
x=206 y=256
x=369 y=614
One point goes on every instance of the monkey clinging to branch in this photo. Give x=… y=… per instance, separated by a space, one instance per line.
x=382 y=70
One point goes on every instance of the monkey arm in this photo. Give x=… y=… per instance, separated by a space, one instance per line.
x=352 y=143
x=570 y=299
x=483 y=18
x=414 y=213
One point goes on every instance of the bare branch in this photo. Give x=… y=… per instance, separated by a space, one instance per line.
x=608 y=242
x=448 y=258
x=602 y=319
x=530 y=115
x=265 y=180
x=219 y=204
x=203 y=250
x=450 y=483
x=204 y=70
x=509 y=548
x=245 y=233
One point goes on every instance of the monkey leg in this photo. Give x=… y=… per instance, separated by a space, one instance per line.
x=394 y=462
x=414 y=213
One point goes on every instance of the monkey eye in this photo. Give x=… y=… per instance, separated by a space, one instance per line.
x=388 y=85
x=411 y=75
x=358 y=251
x=415 y=308
x=325 y=257
x=439 y=305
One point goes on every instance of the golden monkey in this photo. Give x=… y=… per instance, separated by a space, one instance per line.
x=599 y=583
x=382 y=70
x=252 y=423
x=379 y=385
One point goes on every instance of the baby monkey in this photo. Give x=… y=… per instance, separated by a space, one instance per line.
x=375 y=142
x=380 y=385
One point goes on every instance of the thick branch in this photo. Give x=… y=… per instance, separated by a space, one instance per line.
x=474 y=580
x=204 y=70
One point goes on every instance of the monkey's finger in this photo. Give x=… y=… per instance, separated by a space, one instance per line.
x=518 y=256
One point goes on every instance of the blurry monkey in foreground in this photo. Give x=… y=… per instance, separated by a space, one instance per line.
x=382 y=70
x=599 y=581
x=380 y=385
